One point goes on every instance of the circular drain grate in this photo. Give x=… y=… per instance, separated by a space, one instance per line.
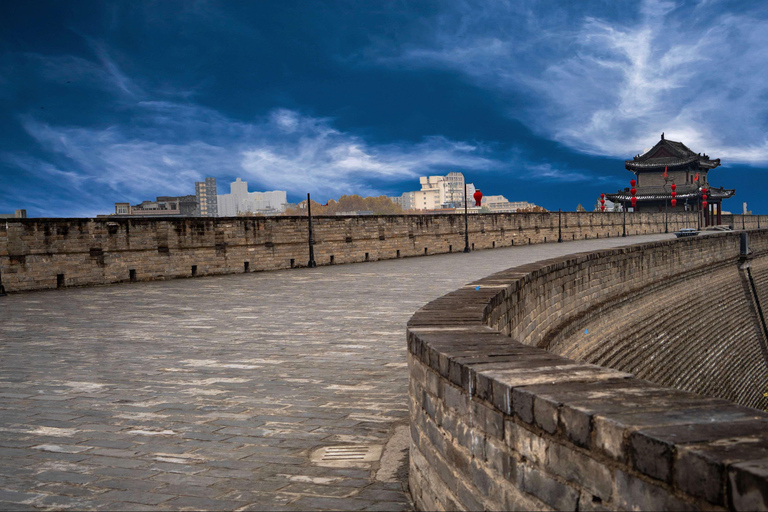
x=346 y=455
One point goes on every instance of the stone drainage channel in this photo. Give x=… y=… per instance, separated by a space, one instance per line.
x=268 y=391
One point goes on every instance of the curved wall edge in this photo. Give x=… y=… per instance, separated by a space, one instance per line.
x=498 y=423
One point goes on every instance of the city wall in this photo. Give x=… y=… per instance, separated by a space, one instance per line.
x=38 y=254
x=525 y=389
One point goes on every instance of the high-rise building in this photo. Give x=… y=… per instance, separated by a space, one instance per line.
x=438 y=192
x=240 y=201
x=208 y=205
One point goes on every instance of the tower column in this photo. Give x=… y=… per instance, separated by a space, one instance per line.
x=719 y=213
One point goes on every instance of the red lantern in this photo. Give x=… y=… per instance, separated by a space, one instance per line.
x=703 y=191
x=602 y=201
x=632 y=182
x=602 y=208
x=674 y=202
x=704 y=197
x=703 y=204
x=602 y=196
x=673 y=187
x=478 y=197
x=633 y=191
x=674 y=194
x=634 y=201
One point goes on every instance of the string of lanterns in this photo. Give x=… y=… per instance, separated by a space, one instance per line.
x=674 y=196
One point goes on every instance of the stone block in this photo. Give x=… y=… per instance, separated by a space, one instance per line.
x=633 y=493
x=580 y=469
x=526 y=443
x=545 y=414
x=748 y=485
x=546 y=488
x=456 y=399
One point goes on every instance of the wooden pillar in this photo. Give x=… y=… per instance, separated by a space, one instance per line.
x=719 y=213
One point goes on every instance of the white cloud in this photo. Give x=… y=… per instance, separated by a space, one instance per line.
x=179 y=144
x=610 y=87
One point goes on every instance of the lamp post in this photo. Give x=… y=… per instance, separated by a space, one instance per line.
x=311 y=263
x=466 y=220
x=624 y=219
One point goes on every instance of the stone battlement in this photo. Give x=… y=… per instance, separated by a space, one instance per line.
x=525 y=388
x=38 y=254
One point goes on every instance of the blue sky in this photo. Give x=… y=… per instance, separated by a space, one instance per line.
x=536 y=100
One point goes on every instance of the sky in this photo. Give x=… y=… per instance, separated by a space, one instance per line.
x=540 y=101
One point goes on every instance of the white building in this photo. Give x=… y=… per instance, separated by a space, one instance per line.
x=240 y=201
x=499 y=204
x=438 y=192
x=610 y=206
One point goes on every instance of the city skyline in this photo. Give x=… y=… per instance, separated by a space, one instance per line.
x=536 y=102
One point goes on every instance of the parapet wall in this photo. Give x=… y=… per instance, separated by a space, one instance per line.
x=48 y=253
x=499 y=422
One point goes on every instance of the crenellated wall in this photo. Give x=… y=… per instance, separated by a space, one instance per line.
x=48 y=253
x=509 y=410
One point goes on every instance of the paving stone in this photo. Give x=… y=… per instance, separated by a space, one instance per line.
x=146 y=498
x=12 y=506
x=314 y=503
x=128 y=484
x=189 y=490
x=197 y=503
x=129 y=507
x=17 y=496
x=295 y=360
x=61 y=476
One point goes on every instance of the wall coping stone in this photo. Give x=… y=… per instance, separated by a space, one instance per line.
x=703 y=451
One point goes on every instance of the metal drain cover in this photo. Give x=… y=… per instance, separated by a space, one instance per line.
x=347 y=455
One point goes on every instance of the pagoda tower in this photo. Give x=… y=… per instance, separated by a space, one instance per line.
x=671 y=162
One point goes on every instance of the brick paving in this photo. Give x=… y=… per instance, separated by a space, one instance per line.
x=211 y=393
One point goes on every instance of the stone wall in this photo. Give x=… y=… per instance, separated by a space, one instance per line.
x=500 y=422
x=48 y=253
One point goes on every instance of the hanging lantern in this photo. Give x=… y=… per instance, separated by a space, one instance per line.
x=674 y=194
x=673 y=187
x=633 y=191
x=673 y=202
x=602 y=207
x=478 y=197
x=634 y=201
x=703 y=204
x=704 y=191
x=602 y=196
x=602 y=201
x=704 y=197
x=633 y=183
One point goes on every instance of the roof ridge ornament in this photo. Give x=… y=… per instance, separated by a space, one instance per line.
x=662 y=135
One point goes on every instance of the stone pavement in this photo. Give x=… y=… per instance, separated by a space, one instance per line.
x=212 y=393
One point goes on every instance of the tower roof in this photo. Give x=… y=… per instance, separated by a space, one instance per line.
x=669 y=153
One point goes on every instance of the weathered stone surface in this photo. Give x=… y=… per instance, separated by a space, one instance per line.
x=582 y=435
x=100 y=251
x=219 y=388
